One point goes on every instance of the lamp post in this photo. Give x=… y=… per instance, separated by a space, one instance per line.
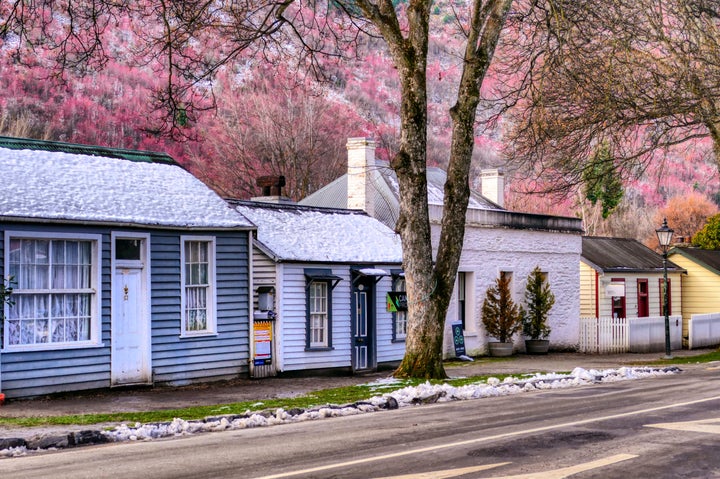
x=664 y=235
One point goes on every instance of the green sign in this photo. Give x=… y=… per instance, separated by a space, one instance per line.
x=396 y=301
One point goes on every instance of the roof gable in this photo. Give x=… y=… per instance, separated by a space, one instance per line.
x=622 y=255
x=325 y=235
x=53 y=181
x=709 y=259
x=387 y=193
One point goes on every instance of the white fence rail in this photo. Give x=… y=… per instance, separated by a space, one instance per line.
x=704 y=330
x=621 y=335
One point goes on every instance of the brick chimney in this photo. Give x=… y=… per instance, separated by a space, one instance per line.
x=493 y=185
x=271 y=190
x=361 y=164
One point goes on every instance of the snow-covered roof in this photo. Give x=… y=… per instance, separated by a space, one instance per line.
x=300 y=233
x=52 y=181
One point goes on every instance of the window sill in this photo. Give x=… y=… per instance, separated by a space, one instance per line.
x=198 y=335
x=399 y=340
x=50 y=347
x=319 y=349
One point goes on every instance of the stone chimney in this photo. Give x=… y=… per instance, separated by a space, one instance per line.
x=361 y=164
x=493 y=185
x=271 y=190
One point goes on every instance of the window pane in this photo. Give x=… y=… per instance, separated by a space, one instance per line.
x=41 y=331
x=13 y=331
x=58 y=330
x=125 y=249
x=84 y=329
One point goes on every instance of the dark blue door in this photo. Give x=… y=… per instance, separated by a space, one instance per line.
x=363 y=324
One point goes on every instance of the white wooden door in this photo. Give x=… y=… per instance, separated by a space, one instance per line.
x=130 y=331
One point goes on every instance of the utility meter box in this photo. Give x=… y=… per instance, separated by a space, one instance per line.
x=266 y=298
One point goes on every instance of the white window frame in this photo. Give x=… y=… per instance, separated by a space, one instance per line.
x=324 y=315
x=211 y=298
x=95 y=290
x=469 y=293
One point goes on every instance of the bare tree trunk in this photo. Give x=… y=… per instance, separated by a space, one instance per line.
x=430 y=288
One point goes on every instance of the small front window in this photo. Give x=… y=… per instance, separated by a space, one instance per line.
x=318 y=299
x=55 y=292
x=198 y=287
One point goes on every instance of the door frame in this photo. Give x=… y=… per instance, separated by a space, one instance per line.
x=369 y=287
x=643 y=298
x=144 y=265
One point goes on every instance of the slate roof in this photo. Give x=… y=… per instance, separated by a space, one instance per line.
x=61 y=182
x=710 y=259
x=291 y=232
x=622 y=255
x=387 y=193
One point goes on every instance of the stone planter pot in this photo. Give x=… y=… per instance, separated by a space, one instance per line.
x=500 y=350
x=537 y=346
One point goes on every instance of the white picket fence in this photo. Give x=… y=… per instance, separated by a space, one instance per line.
x=621 y=335
x=704 y=330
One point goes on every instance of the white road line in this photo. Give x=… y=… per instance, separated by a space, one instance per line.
x=447 y=473
x=467 y=442
x=710 y=426
x=569 y=471
x=554 y=474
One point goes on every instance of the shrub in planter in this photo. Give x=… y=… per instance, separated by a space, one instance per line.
x=539 y=299
x=500 y=315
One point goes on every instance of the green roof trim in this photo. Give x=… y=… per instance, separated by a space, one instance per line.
x=102 y=151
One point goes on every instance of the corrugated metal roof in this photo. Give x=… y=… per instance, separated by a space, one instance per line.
x=387 y=194
x=705 y=257
x=103 y=151
x=622 y=255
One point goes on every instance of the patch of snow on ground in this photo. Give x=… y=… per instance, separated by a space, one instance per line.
x=404 y=397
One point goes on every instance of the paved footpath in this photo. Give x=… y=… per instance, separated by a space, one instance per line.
x=157 y=398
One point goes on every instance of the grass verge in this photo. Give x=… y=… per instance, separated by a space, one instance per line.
x=341 y=395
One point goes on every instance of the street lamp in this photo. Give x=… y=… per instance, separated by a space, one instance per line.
x=664 y=235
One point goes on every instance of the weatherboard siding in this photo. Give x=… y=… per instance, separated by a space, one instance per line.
x=387 y=350
x=175 y=360
x=292 y=321
x=179 y=360
x=700 y=289
x=588 y=282
x=631 y=293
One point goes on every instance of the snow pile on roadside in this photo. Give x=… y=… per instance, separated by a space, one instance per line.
x=422 y=394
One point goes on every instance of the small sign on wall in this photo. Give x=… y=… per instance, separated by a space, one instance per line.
x=396 y=301
x=614 y=290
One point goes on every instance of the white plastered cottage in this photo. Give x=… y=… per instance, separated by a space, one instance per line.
x=497 y=242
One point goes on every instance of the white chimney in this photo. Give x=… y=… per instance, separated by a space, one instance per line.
x=361 y=164
x=493 y=185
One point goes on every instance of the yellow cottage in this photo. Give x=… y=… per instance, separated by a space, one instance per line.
x=701 y=285
x=623 y=278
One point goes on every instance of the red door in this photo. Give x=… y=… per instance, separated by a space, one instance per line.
x=642 y=298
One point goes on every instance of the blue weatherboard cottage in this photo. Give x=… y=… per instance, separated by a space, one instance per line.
x=125 y=270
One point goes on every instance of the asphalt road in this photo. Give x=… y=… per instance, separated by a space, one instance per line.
x=665 y=427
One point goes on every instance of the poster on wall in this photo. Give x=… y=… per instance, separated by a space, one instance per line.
x=263 y=343
x=396 y=301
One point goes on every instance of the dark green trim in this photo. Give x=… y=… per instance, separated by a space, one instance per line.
x=74 y=148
